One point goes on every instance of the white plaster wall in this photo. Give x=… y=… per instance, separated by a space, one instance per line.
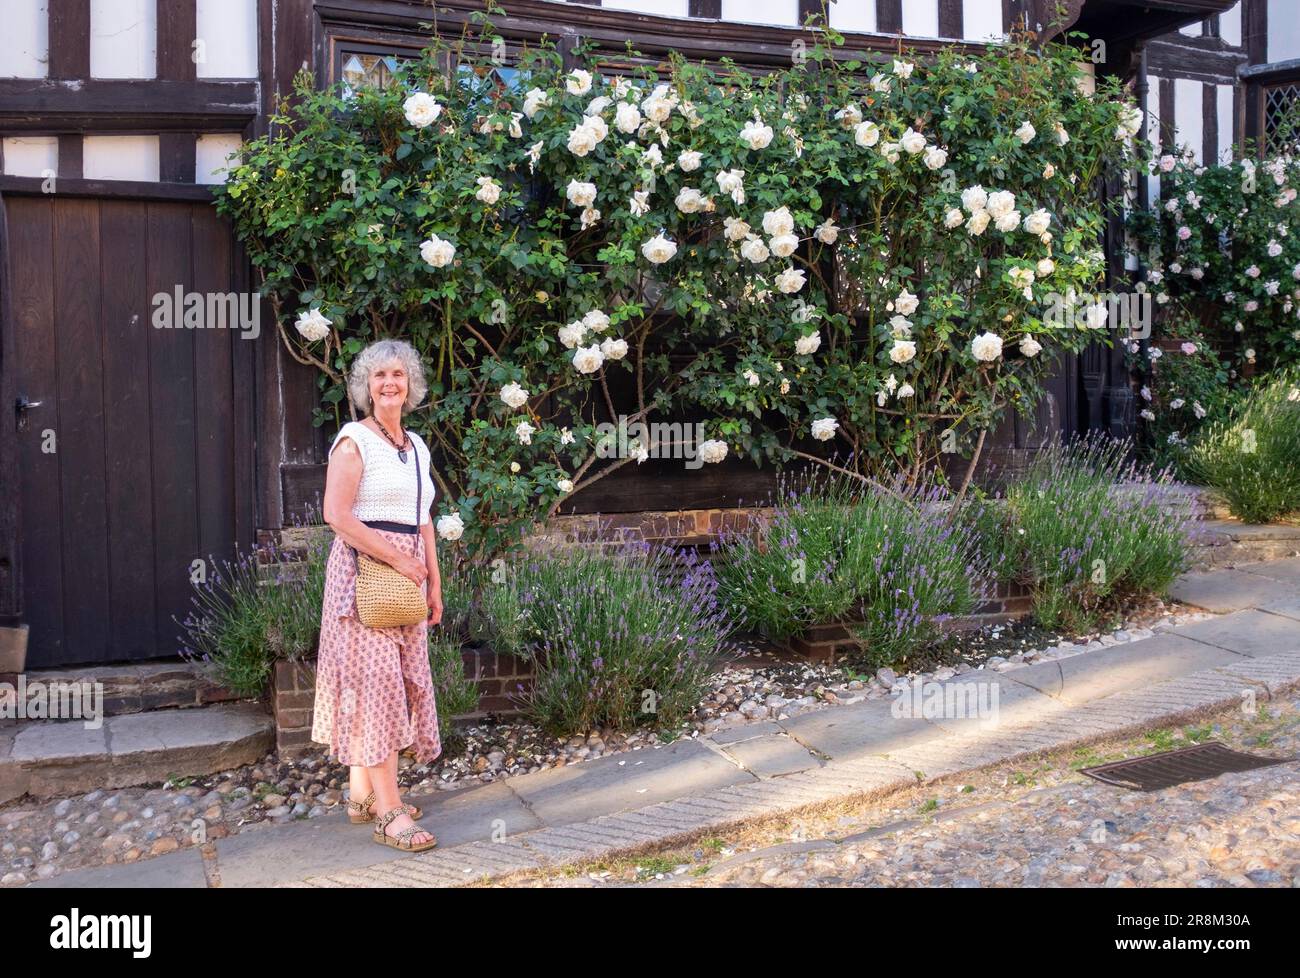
x=228 y=30
x=1225 y=97
x=124 y=38
x=120 y=158
x=921 y=18
x=981 y=20
x=210 y=153
x=1189 y=115
x=664 y=8
x=25 y=39
x=784 y=13
x=853 y=15
x=31 y=156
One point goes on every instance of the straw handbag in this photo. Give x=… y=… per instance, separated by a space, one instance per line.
x=386 y=597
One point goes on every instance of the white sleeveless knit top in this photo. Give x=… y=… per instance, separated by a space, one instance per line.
x=387 y=488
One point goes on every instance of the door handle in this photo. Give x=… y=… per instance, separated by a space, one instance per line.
x=21 y=406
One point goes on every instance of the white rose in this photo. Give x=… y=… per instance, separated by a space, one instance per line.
x=754 y=250
x=734 y=229
x=808 y=344
x=779 y=221
x=613 y=349
x=1029 y=346
x=451 y=527
x=582 y=140
x=437 y=252
x=977 y=223
x=906 y=303
x=866 y=134
x=911 y=141
x=571 y=334
x=514 y=395
x=658 y=249
x=1025 y=132
x=639 y=203
x=827 y=232
x=935 y=157
x=823 y=429
x=578 y=81
x=712 y=451
x=903 y=351
x=755 y=135
x=421 y=109
x=986 y=347
x=1045 y=267
x=1009 y=221
x=732 y=182
x=588 y=359
x=524 y=432
x=907 y=390
x=784 y=245
x=849 y=116
x=689 y=201
x=313 y=325
x=1038 y=221
x=903 y=69
x=1062 y=137
x=489 y=191
x=953 y=218
x=596 y=320
x=534 y=100
x=791 y=280
x=627 y=118
x=689 y=160
x=974 y=198
x=1001 y=202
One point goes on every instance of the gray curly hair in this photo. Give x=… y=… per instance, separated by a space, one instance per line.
x=380 y=352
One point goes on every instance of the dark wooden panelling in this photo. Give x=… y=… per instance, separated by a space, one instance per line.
x=69 y=32
x=128 y=449
x=10 y=560
x=951 y=22
x=172 y=422
x=213 y=384
x=1209 y=124
x=1168 y=140
x=176 y=31
x=79 y=350
x=31 y=275
x=45 y=105
x=889 y=16
x=177 y=153
x=705 y=8
x=70 y=151
x=107 y=189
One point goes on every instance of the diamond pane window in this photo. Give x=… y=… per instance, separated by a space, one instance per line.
x=1281 y=118
x=368 y=71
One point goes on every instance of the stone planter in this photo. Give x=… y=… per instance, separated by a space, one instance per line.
x=832 y=642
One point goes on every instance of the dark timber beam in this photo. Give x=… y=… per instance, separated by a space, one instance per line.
x=53 y=105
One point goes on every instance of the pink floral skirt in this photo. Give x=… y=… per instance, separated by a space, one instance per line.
x=374 y=691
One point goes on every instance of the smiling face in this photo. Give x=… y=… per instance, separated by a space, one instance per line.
x=388 y=386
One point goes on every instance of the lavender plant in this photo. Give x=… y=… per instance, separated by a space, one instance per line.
x=1092 y=529
x=889 y=561
x=620 y=639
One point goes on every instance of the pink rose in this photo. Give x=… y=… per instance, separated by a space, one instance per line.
x=1184 y=233
x=1189 y=348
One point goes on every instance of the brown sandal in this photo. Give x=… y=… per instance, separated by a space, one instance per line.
x=403 y=838
x=359 y=813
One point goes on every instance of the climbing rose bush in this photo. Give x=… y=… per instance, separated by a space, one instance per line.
x=1225 y=235
x=849 y=258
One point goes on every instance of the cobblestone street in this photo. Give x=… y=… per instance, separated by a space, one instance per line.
x=1038 y=825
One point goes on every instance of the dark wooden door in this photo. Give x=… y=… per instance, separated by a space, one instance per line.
x=134 y=456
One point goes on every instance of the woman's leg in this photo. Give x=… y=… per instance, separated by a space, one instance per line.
x=359 y=784
x=383 y=779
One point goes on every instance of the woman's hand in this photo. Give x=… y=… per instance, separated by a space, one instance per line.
x=411 y=567
x=433 y=594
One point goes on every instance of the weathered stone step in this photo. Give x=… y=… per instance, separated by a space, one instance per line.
x=1223 y=543
x=47 y=758
x=136 y=687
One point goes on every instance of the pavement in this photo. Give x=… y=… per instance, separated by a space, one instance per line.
x=622 y=803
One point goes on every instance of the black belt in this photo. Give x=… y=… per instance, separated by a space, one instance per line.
x=391 y=527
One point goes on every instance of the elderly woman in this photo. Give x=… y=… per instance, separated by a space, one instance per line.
x=374 y=691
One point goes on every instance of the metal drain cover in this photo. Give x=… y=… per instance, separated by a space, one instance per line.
x=1197 y=763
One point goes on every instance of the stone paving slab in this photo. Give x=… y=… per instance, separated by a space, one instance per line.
x=774 y=755
x=1226 y=591
x=1276 y=570
x=1093 y=675
x=1251 y=633
x=624 y=781
x=842 y=732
